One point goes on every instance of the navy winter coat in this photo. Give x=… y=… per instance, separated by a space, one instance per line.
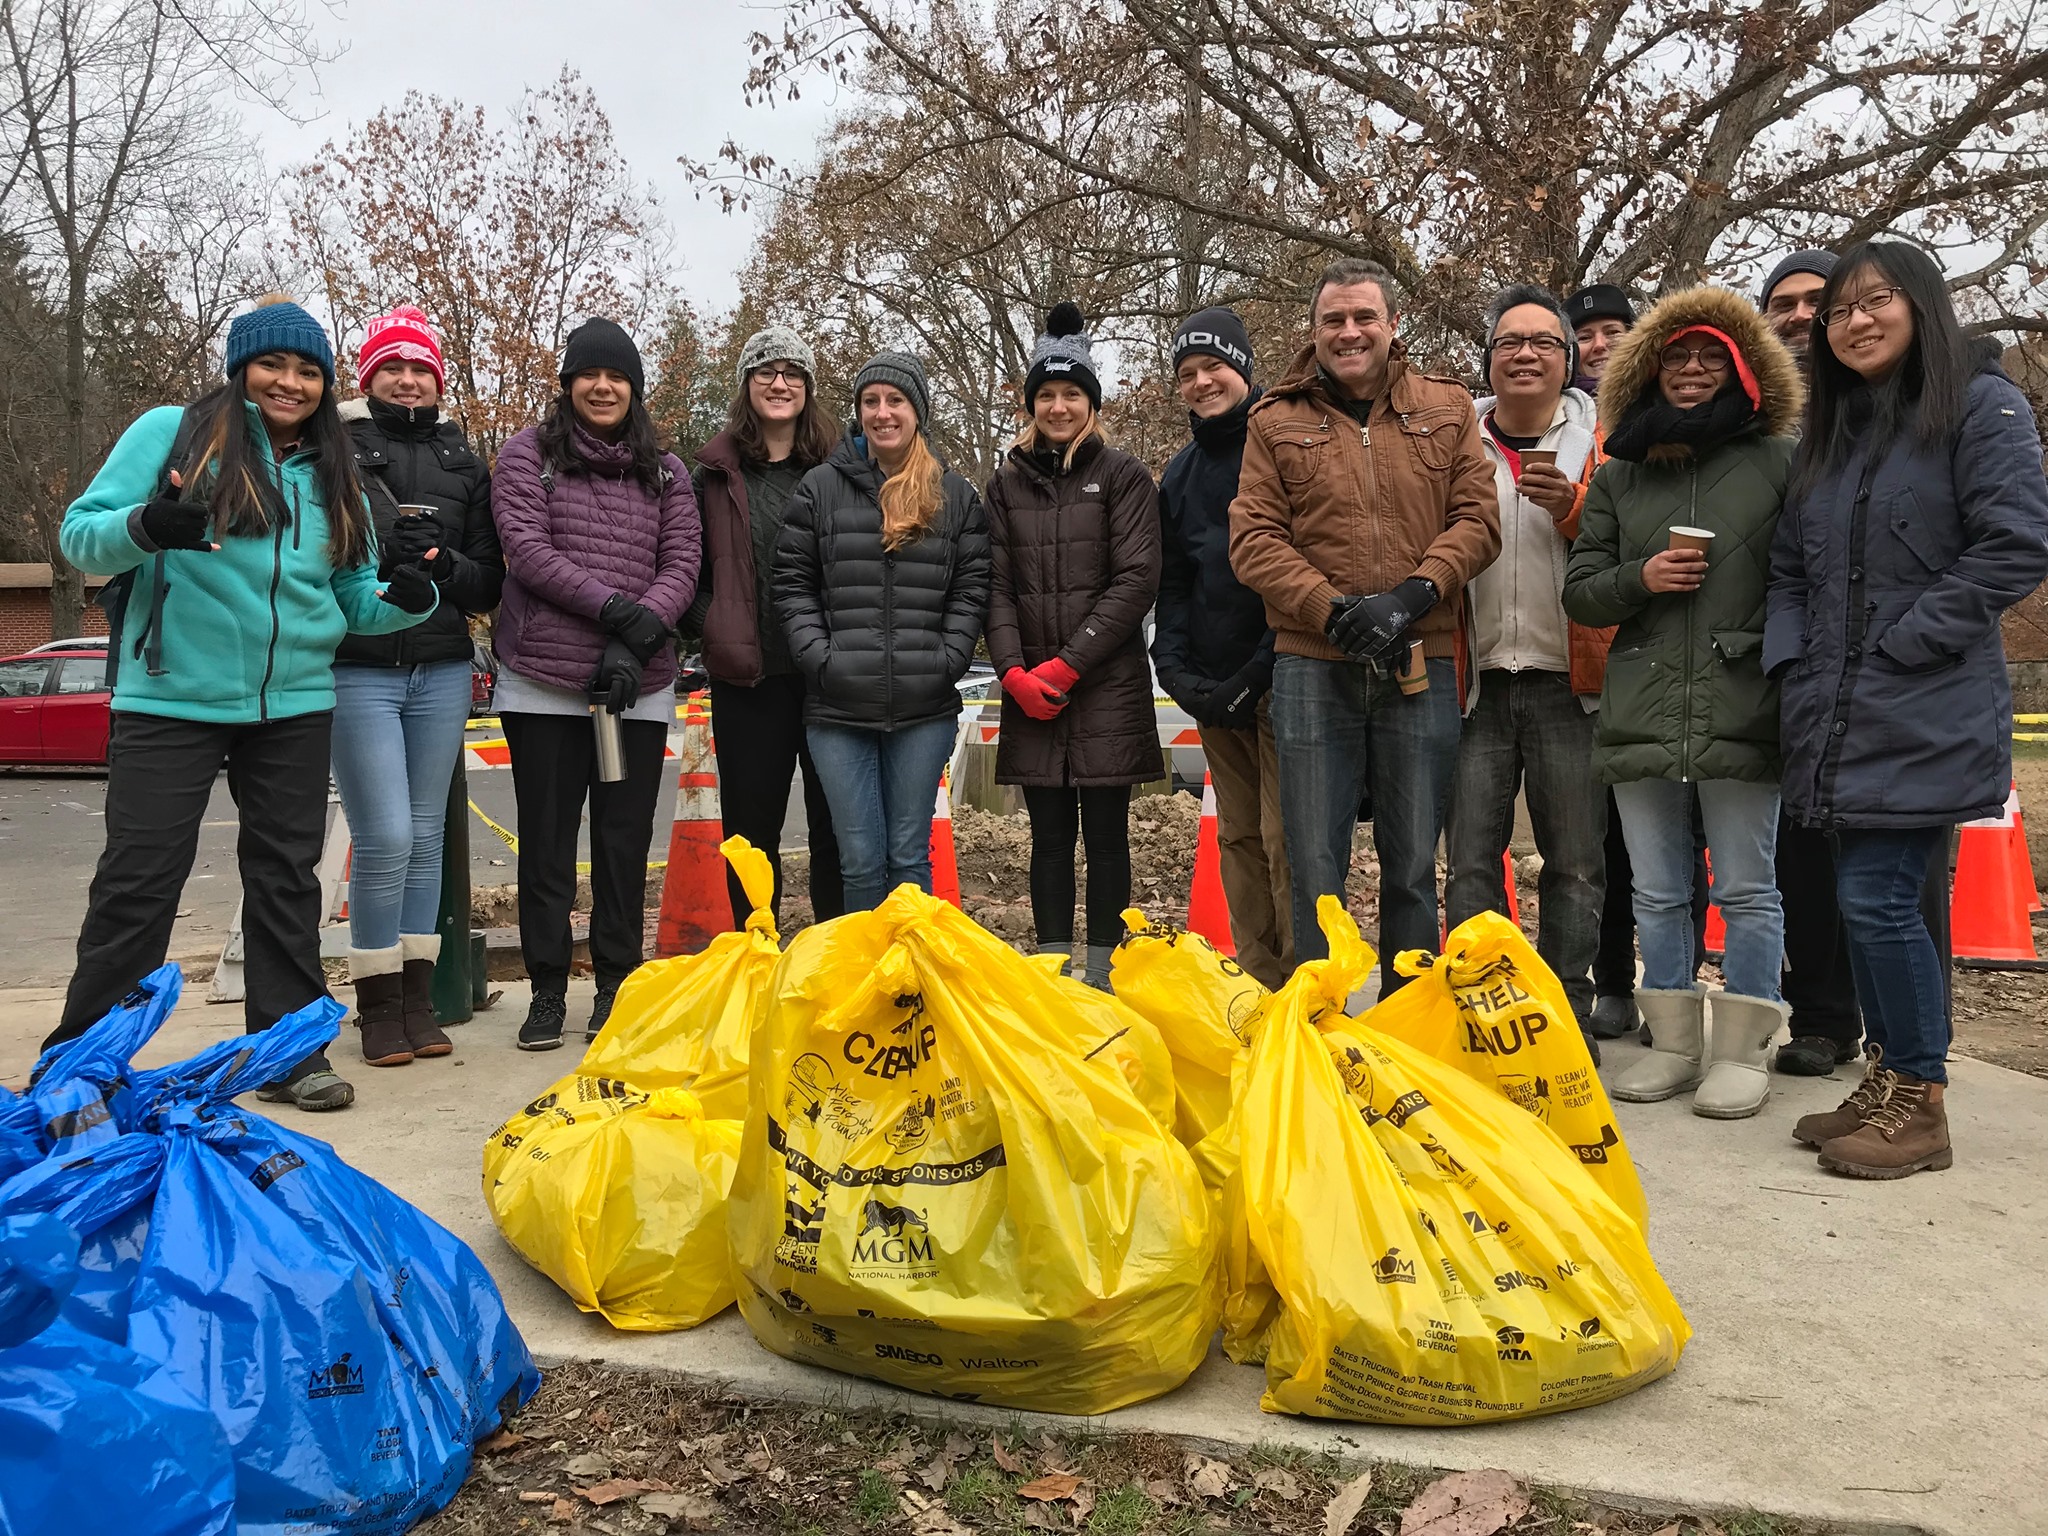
x=1883 y=616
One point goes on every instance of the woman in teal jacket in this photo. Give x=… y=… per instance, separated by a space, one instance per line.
x=240 y=541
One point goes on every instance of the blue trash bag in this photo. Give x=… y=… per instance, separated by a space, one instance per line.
x=78 y=1093
x=91 y=1438
x=352 y=1349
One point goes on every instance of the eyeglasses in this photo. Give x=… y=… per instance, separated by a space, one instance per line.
x=1870 y=304
x=1712 y=356
x=768 y=373
x=1508 y=346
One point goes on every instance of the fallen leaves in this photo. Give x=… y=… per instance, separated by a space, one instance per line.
x=1004 y=1459
x=937 y=1472
x=587 y=1465
x=563 y=1512
x=693 y=1509
x=1206 y=1479
x=619 y=1488
x=1342 y=1511
x=1466 y=1504
x=1050 y=1488
x=504 y=1440
x=1279 y=1482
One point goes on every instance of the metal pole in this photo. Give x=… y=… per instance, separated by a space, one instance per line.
x=454 y=983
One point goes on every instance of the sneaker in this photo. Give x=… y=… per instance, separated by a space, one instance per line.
x=316 y=1092
x=600 y=1011
x=1613 y=1017
x=1813 y=1055
x=1906 y=1133
x=1847 y=1117
x=542 y=1030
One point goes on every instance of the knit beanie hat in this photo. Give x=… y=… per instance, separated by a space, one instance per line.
x=904 y=372
x=1214 y=333
x=1062 y=354
x=776 y=344
x=603 y=344
x=1599 y=301
x=276 y=324
x=404 y=334
x=1820 y=263
x=1531 y=293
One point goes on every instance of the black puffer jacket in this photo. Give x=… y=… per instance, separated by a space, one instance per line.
x=419 y=458
x=1076 y=566
x=880 y=635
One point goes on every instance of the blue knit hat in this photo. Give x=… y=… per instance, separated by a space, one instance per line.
x=276 y=324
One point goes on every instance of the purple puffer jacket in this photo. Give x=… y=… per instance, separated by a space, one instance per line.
x=569 y=548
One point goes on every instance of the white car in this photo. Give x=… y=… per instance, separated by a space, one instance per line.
x=75 y=643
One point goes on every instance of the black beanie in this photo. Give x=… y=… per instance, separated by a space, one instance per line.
x=1214 y=333
x=603 y=344
x=1820 y=263
x=1062 y=353
x=1599 y=301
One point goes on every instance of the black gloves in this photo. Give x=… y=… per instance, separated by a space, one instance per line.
x=169 y=523
x=617 y=683
x=643 y=630
x=1234 y=706
x=1367 y=628
x=409 y=588
x=412 y=537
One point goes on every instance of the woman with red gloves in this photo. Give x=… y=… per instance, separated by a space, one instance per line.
x=1074 y=531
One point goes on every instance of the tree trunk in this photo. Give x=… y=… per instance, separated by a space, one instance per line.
x=67 y=586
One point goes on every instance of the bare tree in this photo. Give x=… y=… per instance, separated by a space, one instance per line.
x=114 y=133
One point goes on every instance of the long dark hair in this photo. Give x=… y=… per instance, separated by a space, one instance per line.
x=558 y=447
x=245 y=494
x=816 y=433
x=1923 y=397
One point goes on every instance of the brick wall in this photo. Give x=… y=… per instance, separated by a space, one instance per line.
x=25 y=619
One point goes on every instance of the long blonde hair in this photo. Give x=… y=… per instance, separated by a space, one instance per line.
x=911 y=497
x=1029 y=438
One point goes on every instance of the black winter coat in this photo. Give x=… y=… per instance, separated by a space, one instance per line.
x=1076 y=566
x=880 y=636
x=1883 y=617
x=419 y=458
x=1209 y=625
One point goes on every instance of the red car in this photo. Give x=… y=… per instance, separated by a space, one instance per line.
x=54 y=708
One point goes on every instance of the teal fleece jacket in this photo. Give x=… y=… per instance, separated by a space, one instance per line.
x=250 y=628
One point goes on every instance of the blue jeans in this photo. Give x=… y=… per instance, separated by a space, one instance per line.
x=1879 y=878
x=882 y=786
x=1742 y=844
x=1342 y=727
x=397 y=736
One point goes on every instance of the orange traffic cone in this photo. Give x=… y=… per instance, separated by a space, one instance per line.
x=945 y=862
x=1507 y=876
x=2012 y=807
x=1989 y=928
x=1208 y=909
x=695 y=908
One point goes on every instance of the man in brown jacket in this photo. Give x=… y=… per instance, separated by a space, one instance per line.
x=1365 y=504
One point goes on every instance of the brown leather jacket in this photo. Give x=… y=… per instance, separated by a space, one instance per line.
x=1326 y=509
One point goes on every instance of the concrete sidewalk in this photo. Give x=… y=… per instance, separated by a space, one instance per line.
x=1875 y=1355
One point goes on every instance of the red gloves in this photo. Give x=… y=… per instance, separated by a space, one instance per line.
x=1057 y=674
x=1034 y=695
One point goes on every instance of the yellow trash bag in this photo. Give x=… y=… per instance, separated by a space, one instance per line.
x=1202 y=1003
x=944 y=1184
x=1120 y=1035
x=1490 y=1006
x=617 y=1194
x=685 y=1022
x=1433 y=1256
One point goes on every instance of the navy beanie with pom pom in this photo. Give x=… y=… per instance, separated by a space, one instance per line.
x=1062 y=354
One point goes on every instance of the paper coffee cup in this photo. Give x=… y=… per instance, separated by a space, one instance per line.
x=1544 y=456
x=1700 y=539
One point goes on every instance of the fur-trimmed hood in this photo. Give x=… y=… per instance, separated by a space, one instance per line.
x=1632 y=368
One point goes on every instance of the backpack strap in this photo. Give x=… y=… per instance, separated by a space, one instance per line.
x=114 y=598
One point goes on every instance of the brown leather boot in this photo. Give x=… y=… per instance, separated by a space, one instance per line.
x=380 y=1007
x=1847 y=1117
x=423 y=1031
x=1906 y=1133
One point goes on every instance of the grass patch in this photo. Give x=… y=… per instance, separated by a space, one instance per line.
x=1125 y=1512
x=974 y=1490
x=874 y=1501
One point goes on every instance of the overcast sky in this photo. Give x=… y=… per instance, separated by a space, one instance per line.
x=669 y=75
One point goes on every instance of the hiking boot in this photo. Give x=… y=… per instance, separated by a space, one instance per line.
x=314 y=1087
x=423 y=1031
x=1847 y=1117
x=1813 y=1056
x=1612 y=1017
x=1907 y=1132
x=1737 y=1081
x=1676 y=1020
x=380 y=1005
x=600 y=1011
x=1096 y=971
x=542 y=1030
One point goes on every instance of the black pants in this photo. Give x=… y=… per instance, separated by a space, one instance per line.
x=1102 y=817
x=1614 y=963
x=760 y=736
x=160 y=774
x=1820 y=981
x=554 y=764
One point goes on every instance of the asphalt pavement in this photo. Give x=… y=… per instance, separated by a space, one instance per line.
x=52 y=830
